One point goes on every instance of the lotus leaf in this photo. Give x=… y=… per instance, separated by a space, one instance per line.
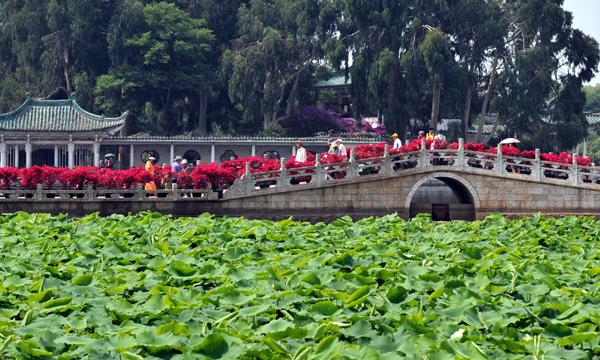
x=149 y=286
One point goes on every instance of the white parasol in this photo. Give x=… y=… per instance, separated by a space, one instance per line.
x=509 y=141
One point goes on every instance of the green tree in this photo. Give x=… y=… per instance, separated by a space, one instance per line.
x=592 y=96
x=438 y=60
x=162 y=64
x=540 y=87
x=279 y=40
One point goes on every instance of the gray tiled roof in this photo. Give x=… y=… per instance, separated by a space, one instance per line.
x=57 y=116
x=348 y=137
x=336 y=81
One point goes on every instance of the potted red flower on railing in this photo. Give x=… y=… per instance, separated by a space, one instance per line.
x=8 y=176
x=331 y=159
x=219 y=178
x=31 y=177
x=293 y=164
x=163 y=177
x=130 y=178
x=108 y=178
x=184 y=180
x=510 y=151
x=200 y=180
x=584 y=161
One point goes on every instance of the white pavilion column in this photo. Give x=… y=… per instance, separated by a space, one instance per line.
x=56 y=164
x=17 y=155
x=294 y=150
x=253 y=150
x=584 y=147
x=131 y=156
x=172 y=153
x=71 y=150
x=96 y=152
x=28 y=153
x=2 y=152
x=213 y=152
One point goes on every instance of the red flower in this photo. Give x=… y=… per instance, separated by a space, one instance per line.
x=8 y=175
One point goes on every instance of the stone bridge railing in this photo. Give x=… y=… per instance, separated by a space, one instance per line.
x=459 y=160
x=323 y=174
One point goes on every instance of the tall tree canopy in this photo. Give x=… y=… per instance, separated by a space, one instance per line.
x=246 y=65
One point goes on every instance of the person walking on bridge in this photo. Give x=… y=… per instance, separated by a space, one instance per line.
x=341 y=148
x=397 y=142
x=430 y=135
x=176 y=167
x=300 y=152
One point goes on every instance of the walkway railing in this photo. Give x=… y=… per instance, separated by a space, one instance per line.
x=390 y=165
x=324 y=174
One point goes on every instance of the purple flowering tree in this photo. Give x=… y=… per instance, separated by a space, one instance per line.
x=306 y=121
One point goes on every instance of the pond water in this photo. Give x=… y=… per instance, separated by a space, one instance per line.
x=434 y=192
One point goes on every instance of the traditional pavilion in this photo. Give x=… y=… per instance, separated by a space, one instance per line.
x=54 y=133
x=60 y=133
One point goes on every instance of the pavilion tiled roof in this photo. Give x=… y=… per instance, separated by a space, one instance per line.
x=336 y=81
x=490 y=120
x=65 y=116
x=348 y=137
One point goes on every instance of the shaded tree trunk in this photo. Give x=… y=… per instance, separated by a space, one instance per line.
x=488 y=95
x=202 y=124
x=67 y=70
x=124 y=151
x=435 y=107
x=293 y=94
x=468 y=99
x=493 y=132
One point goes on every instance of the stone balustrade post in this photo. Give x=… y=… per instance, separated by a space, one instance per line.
x=283 y=182
x=386 y=167
x=575 y=171
x=246 y=180
x=499 y=162
x=140 y=193
x=352 y=171
x=537 y=166
x=90 y=192
x=318 y=178
x=38 y=192
x=174 y=191
x=462 y=161
x=423 y=159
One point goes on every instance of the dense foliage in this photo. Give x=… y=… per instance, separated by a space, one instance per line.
x=151 y=287
x=245 y=66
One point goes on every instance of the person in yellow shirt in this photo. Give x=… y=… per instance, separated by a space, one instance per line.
x=430 y=135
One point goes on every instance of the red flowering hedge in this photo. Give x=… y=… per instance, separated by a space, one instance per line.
x=218 y=177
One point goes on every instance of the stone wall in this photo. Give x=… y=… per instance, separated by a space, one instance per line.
x=481 y=192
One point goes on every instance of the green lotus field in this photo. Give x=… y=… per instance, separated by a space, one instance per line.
x=151 y=287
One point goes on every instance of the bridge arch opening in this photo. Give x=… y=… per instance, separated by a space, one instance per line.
x=445 y=196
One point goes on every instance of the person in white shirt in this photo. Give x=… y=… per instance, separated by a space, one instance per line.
x=300 y=152
x=440 y=137
x=341 y=148
x=397 y=142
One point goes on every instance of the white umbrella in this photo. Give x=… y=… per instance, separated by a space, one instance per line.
x=109 y=155
x=509 y=141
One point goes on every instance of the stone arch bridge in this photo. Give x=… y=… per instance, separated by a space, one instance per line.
x=482 y=183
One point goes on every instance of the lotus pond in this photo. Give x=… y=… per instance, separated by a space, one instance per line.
x=151 y=287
